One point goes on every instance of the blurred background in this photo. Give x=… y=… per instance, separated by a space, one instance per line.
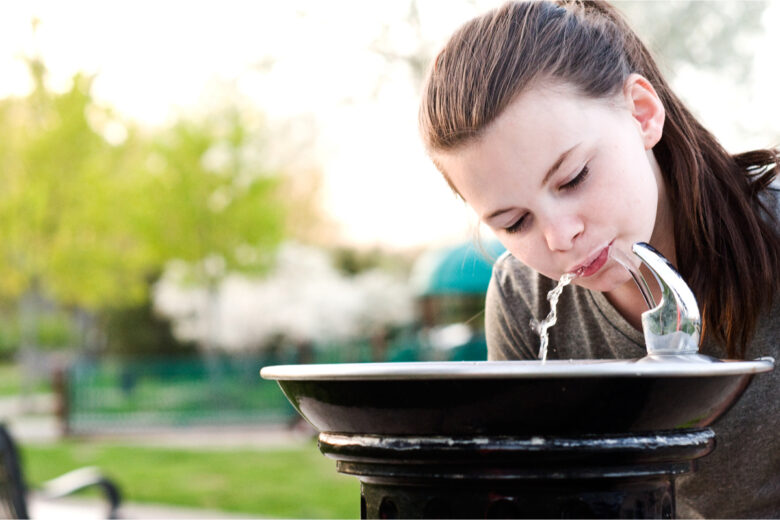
x=192 y=190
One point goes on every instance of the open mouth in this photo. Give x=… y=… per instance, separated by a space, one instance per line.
x=594 y=265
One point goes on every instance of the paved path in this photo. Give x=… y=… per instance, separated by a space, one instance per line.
x=83 y=508
x=260 y=437
x=32 y=420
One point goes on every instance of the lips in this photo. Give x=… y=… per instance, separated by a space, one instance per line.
x=592 y=266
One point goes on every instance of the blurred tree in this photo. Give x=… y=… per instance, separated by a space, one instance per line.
x=708 y=50
x=59 y=178
x=417 y=56
x=352 y=260
x=210 y=204
x=208 y=200
x=707 y=34
x=86 y=221
x=92 y=209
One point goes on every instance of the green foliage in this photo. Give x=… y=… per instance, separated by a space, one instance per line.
x=9 y=338
x=52 y=330
x=92 y=208
x=208 y=203
x=294 y=482
x=55 y=171
x=352 y=261
x=11 y=381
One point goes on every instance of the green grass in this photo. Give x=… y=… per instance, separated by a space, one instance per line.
x=11 y=380
x=281 y=483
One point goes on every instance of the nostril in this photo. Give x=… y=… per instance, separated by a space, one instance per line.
x=561 y=234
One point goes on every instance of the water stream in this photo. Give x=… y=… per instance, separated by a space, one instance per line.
x=540 y=327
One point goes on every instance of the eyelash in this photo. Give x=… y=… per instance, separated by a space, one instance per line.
x=576 y=181
x=517 y=226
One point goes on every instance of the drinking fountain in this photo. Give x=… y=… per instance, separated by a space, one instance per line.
x=528 y=439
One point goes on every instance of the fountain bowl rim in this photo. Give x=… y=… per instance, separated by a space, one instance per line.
x=443 y=370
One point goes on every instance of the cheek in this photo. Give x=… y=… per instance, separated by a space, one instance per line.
x=645 y=200
x=532 y=255
x=630 y=197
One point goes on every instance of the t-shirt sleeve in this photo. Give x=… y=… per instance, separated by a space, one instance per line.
x=506 y=339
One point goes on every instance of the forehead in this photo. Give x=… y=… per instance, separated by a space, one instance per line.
x=522 y=143
x=536 y=118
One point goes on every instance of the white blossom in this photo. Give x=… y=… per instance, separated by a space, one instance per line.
x=304 y=298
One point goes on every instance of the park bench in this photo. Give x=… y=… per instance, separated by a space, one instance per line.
x=13 y=490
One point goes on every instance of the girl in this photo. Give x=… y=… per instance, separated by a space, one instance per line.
x=553 y=122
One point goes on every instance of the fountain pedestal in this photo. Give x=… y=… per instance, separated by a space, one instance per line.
x=585 y=476
x=516 y=438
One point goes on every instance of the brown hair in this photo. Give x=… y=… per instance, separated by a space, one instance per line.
x=721 y=228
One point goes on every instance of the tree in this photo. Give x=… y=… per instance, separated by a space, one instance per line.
x=59 y=178
x=211 y=206
x=708 y=35
x=209 y=201
x=92 y=209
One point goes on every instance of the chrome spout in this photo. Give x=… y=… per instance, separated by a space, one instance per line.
x=673 y=327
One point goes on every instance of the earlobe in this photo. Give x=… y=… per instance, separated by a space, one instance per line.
x=646 y=108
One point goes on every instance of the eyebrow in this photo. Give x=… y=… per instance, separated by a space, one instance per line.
x=557 y=164
x=554 y=168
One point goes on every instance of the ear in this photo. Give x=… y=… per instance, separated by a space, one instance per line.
x=646 y=108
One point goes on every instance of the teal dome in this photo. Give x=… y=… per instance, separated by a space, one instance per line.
x=461 y=269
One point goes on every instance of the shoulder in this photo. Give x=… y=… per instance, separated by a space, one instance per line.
x=773 y=190
x=770 y=197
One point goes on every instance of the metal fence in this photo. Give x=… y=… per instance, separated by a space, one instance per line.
x=103 y=395
x=139 y=394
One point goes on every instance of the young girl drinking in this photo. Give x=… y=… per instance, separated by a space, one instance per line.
x=553 y=122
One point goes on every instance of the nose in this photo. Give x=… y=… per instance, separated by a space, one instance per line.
x=561 y=231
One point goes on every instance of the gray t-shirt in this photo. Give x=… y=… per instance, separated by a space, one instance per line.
x=741 y=477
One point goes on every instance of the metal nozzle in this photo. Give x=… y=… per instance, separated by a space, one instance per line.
x=673 y=327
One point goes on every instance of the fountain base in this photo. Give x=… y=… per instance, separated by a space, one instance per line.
x=604 y=476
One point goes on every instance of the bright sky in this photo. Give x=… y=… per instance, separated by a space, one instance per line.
x=157 y=59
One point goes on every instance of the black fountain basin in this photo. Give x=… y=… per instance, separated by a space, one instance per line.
x=517 y=439
x=576 y=397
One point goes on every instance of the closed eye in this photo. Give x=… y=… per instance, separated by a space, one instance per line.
x=576 y=181
x=518 y=225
